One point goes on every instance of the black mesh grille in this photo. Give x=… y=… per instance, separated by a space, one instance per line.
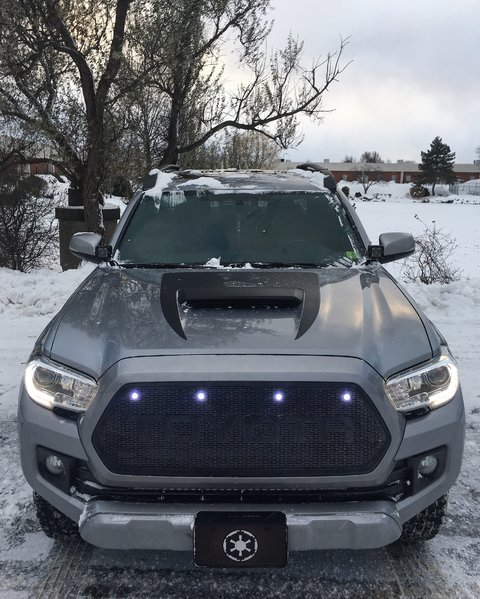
x=240 y=429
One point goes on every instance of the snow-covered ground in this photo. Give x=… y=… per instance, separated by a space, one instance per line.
x=33 y=566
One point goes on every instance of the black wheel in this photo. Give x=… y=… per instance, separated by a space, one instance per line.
x=53 y=523
x=426 y=524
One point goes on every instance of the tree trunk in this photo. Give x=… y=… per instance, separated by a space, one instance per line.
x=170 y=155
x=91 y=180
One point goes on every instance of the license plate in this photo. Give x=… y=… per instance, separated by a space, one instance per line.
x=240 y=539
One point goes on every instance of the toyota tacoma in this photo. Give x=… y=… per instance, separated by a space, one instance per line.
x=240 y=377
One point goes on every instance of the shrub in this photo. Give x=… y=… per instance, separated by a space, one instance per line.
x=419 y=191
x=28 y=232
x=431 y=262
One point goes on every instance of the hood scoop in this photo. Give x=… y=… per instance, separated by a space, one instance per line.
x=241 y=291
x=240 y=297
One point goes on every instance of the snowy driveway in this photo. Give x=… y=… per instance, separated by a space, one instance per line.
x=33 y=566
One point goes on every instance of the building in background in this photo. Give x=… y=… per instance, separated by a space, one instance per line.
x=41 y=160
x=402 y=171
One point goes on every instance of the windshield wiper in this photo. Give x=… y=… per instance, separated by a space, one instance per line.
x=165 y=265
x=286 y=265
x=260 y=265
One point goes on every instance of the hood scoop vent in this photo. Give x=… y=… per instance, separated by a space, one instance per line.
x=242 y=291
x=240 y=297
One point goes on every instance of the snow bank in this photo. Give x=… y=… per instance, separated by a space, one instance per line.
x=462 y=221
x=37 y=293
x=457 y=302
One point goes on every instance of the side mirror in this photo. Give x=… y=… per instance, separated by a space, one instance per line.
x=86 y=246
x=392 y=246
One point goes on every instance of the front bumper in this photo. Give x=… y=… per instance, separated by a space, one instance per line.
x=117 y=525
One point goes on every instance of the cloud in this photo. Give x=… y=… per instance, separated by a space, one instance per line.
x=414 y=75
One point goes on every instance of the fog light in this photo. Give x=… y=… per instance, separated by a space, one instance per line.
x=54 y=465
x=428 y=465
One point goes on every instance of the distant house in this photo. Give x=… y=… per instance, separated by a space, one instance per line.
x=36 y=159
x=402 y=171
x=41 y=161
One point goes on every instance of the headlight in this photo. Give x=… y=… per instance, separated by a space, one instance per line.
x=429 y=386
x=52 y=385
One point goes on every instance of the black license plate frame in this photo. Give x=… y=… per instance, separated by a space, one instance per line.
x=240 y=539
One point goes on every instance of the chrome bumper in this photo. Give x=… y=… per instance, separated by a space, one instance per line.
x=117 y=525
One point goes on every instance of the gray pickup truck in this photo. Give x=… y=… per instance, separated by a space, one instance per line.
x=239 y=378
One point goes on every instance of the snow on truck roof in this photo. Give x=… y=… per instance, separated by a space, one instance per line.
x=238 y=181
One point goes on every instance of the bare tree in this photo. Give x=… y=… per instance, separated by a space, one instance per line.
x=181 y=47
x=368 y=174
x=369 y=171
x=88 y=75
x=432 y=261
x=239 y=149
x=27 y=229
x=16 y=148
x=371 y=157
x=58 y=63
x=349 y=159
x=250 y=150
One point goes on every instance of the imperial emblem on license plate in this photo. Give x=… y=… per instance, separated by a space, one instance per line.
x=240 y=545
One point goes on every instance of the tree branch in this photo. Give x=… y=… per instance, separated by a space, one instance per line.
x=116 y=53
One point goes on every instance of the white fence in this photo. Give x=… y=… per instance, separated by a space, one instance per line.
x=472 y=188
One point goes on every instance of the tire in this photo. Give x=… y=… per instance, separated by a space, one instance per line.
x=52 y=522
x=425 y=525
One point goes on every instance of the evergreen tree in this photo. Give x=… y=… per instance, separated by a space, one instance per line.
x=437 y=164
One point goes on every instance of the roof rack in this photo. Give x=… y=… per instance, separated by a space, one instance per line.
x=169 y=168
x=329 y=181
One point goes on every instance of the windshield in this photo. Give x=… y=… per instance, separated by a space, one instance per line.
x=225 y=228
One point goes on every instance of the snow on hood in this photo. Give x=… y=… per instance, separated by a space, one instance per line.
x=215 y=263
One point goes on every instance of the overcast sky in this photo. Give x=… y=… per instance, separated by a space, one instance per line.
x=415 y=74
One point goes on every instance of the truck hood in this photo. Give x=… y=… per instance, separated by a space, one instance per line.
x=351 y=312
